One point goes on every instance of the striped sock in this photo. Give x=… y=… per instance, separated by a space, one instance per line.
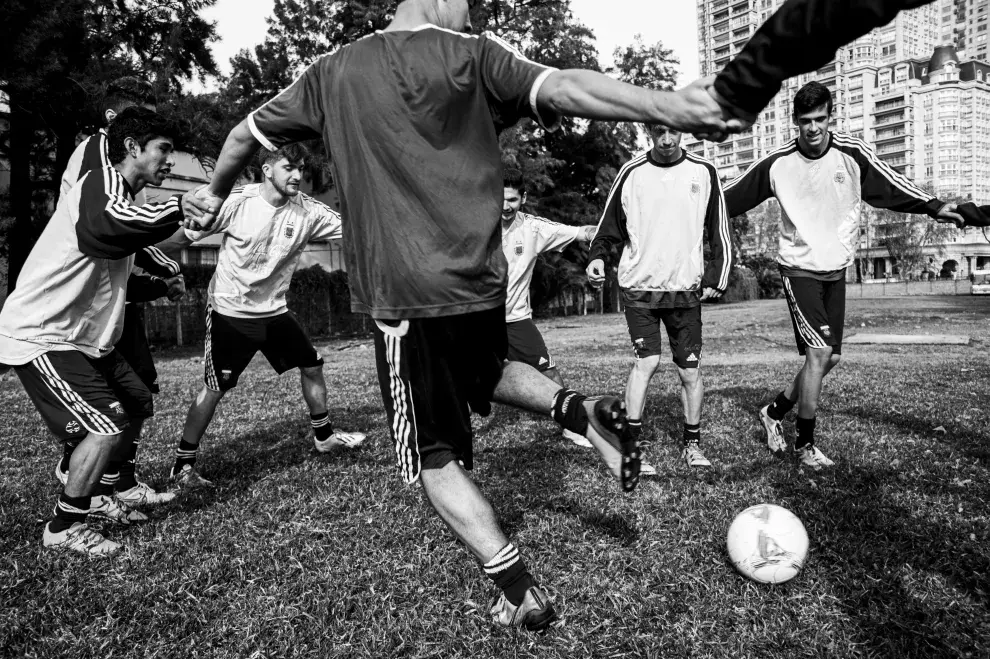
x=636 y=428
x=108 y=481
x=692 y=433
x=568 y=411
x=68 y=511
x=184 y=455
x=322 y=427
x=509 y=573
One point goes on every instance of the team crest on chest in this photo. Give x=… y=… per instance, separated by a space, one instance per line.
x=840 y=176
x=695 y=188
x=519 y=249
x=290 y=228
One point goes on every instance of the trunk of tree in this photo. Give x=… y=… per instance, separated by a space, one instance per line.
x=21 y=237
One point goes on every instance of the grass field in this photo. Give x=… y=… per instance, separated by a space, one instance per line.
x=298 y=554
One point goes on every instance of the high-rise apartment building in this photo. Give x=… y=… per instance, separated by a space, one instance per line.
x=963 y=24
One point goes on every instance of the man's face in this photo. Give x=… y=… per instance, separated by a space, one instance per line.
x=512 y=201
x=455 y=14
x=666 y=140
x=813 y=126
x=285 y=176
x=155 y=161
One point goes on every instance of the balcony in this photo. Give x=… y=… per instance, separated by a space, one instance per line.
x=742 y=21
x=719 y=4
x=887 y=119
x=889 y=104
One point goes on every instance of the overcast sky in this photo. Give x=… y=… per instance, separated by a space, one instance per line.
x=241 y=24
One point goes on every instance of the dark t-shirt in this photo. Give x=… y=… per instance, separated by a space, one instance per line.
x=411 y=122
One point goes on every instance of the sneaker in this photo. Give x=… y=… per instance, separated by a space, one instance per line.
x=576 y=439
x=694 y=457
x=810 y=456
x=110 y=508
x=188 y=479
x=143 y=494
x=339 y=439
x=534 y=613
x=79 y=537
x=646 y=469
x=775 y=433
x=62 y=476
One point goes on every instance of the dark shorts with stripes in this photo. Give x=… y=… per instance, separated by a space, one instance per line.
x=231 y=344
x=526 y=345
x=683 y=327
x=77 y=395
x=818 y=312
x=433 y=373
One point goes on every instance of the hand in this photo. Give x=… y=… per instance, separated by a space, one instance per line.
x=736 y=120
x=176 y=287
x=948 y=215
x=708 y=293
x=693 y=110
x=200 y=208
x=589 y=233
x=596 y=273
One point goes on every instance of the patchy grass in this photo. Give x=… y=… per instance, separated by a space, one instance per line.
x=301 y=554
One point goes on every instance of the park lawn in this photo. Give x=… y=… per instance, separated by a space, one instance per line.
x=298 y=554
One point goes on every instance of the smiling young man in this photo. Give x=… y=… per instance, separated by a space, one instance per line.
x=660 y=209
x=821 y=180
x=59 y=327
x=265 y=228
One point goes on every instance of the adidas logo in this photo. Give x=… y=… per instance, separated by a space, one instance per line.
x=692 y=358
x=543 y=360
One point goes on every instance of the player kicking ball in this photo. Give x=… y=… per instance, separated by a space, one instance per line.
x=659 y=210
x=821 y=180
x=265 y=228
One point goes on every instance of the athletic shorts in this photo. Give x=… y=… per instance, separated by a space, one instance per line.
x=133 y=346
x=818 y=312
x=433 y=373
x=231 y=344
x=526 y=345
x=683 y=332
x=77 y=395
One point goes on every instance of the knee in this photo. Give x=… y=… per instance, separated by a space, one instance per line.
x=819 y=358
x=833 y=360
x=690 y=377
x=311 y=372
x=647 y=365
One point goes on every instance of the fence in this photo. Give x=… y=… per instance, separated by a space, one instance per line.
x=899 y=288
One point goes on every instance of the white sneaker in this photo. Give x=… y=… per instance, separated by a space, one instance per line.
x=143 y=494
x=576 y=439
x=646 y=469
x=110 y=508
x=188 y=479
x=810 y=456
x=339 y=439
x=775 y=433
x=79 y=537
x=694 y=457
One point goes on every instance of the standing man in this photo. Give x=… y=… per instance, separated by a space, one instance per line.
x=821 y=180
x=265 y=228
x=59 y=327
x=660 y=209
x=420 y=183
x=525 y=237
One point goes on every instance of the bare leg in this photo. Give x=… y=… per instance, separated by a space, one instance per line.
x=314 y=389
x=200 y=414
x=807 y=385
x=88 y=463
x=692 y=394
x=464 y=509
x=638 y=383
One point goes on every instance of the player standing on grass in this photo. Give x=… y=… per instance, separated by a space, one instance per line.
x=59 y=327
x=410 y=117
x=265 y=228
x=525 y=237
x=659 y=210
x=821 y=180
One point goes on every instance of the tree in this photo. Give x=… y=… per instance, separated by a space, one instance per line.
x=56 y=60
x=908 y=237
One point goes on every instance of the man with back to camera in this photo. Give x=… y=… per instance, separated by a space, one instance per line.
x=421 y=187
x=821 y=180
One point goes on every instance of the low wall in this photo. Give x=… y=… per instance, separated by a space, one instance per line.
x=900 y=288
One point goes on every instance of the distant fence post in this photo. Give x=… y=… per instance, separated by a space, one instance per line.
x=178 y=323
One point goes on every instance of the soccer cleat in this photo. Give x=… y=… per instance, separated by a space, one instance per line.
x=610 y=421
x=534 y=613
x=79 y=537
x=694 y=457
x=646 y=469
x=576 y=439
x=143 y=494
x=775 y=433
x=108 y=507
x=339 y=439
x=188 y=479
x=810 y=456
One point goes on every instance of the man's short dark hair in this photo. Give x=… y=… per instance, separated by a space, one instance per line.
x=513 y=178
x=811 y=96
x=139 y=123
x=128 y=91
x=291 y=152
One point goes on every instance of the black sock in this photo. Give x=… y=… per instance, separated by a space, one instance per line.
x=68 y=511
x=692 y=433
x=509 y=573
x=636 y=428
x=322 y=427
x=184 y=455
x=780 y=407
x=128 y=468
x=108 y=481
x=568 y=411
x=805 y=432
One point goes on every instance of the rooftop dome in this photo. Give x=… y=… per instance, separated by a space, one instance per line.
x=942 y=55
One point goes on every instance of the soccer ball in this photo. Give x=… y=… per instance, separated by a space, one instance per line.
x=767 y=543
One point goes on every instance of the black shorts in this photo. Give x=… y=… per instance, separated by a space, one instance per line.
x=683 y=332
x=526 y=345
x=231 y=344
x=77 y=395
x=433 y=372
x=133 y=346
x=818 y=312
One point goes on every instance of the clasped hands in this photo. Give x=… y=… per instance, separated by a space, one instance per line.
x=200 y=208
x=700 y=110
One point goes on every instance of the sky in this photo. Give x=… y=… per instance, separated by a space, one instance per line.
x=241 y=24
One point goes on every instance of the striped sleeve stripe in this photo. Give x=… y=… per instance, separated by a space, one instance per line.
x=119 y=208
x=784 y=150
x=534 y=91
x=159 y=257
x=320 y=204
x=258 y=135
x=617 y=184
x=723 y=222
x=91 y=419
x=807 y=332
x=897 y=179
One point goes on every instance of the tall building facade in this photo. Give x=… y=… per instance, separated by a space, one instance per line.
x=963 y=24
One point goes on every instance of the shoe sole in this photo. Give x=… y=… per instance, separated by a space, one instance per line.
x=537 y=621
x=610 y=416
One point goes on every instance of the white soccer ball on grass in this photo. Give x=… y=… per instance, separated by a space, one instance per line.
x=767 y=543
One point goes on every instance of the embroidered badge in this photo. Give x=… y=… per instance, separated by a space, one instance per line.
x=840 y=176
x=695 y=187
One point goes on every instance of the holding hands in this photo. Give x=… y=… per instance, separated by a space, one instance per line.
x=200 y=208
